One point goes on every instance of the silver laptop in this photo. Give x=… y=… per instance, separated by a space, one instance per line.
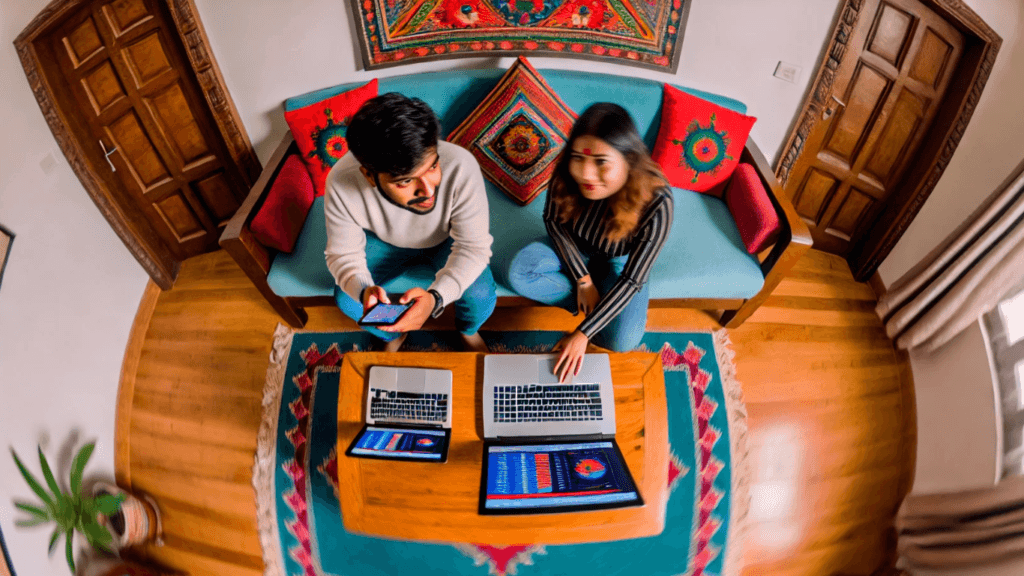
x=409 y=396
x=408 y=415
x=549 y=446
x=523 y=398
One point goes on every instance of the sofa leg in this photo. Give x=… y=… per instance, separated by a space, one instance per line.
x=295 y=316
x=734 y=318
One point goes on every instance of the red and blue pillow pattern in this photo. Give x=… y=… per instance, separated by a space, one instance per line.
x=699 y=143
x=319 y=130
x=517 y=132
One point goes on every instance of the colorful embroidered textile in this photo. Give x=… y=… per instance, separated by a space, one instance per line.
x=517 y=132
x=319 y=130
x=296 y=470
x=641 y=32
x=699 y=142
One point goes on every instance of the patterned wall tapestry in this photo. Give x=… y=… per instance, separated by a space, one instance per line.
x=640 y=32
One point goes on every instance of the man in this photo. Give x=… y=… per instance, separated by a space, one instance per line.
x=399 y=197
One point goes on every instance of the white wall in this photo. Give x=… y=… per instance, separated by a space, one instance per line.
x=730 y=47
x=67 y=302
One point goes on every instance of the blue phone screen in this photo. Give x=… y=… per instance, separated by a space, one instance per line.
x=384 y=313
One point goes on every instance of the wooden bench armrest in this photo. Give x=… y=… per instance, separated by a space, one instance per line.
x=793 y=241
x=252 y=257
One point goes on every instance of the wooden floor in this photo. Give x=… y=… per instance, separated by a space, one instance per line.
x=831 y=416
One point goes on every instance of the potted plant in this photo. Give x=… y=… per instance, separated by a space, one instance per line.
x=72 y=511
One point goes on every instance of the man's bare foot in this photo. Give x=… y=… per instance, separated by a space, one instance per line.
x=474 y=343
x=395 y=344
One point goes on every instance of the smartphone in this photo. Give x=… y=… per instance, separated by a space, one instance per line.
x=384 y=314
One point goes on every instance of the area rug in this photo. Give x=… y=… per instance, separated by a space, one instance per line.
x=295 y=474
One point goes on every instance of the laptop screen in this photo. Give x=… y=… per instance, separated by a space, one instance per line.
x=528 y=478
x=400 y=443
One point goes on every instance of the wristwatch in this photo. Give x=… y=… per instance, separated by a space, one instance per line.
x=438 y=303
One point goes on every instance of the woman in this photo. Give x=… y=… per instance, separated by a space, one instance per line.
x=608 y=213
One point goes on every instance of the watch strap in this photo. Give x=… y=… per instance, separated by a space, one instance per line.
x=438 y=303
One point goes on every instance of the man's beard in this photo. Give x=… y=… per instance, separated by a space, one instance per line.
x=411 y=204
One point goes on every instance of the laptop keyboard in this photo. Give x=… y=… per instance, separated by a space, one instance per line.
x=387 y=405
x=547 y=403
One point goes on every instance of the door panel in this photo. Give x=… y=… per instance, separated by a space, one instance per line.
x=884 y=97
x=137 y=151
x=897 y=135
x=892 y=30
x=150 y=121
x=853 y=123
x=932 y=59
x=124 y=14
x=845 y=221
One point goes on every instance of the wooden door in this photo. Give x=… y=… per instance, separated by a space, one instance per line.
x=144 y=114
x=883 y=100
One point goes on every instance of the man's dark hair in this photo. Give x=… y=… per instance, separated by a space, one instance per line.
x=391 y=133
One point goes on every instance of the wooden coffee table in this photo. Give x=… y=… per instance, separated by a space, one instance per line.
x=439 y=502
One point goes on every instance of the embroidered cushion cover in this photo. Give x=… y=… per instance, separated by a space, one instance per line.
x=517 y=132
x=319 y=130
x=699 y=143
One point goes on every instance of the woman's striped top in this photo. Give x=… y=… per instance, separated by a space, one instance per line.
x=585 y=235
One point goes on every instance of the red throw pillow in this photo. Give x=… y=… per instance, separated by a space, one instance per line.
x=280 y=219
x=319 y=130
x=752 y=209
x=699 y=143
x=517 y=132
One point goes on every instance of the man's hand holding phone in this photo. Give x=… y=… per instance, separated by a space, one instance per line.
x=416 y=304
x=421 y=304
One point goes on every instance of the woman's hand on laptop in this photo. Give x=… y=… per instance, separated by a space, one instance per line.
x=573 y=347
x=422 y=305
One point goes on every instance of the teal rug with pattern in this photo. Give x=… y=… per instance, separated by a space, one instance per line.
x=295 y=475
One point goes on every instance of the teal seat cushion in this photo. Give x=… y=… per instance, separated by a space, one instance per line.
x=703 y=258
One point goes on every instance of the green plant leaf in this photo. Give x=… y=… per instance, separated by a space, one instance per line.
x=35 y=511
x=47 y=473
x=65 y=514
x=53 y=541
x=29 y=522
x=97 y=534
x=108 y=503
x=78 y=467
x=32 y=482
x=70 y=551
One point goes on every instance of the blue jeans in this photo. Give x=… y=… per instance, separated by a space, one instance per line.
x=536 y=272
x=386 y=262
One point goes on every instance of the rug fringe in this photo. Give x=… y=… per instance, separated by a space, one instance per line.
x=742 y=472
x=266 y=454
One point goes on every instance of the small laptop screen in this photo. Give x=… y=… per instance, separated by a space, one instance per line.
x=397 y=443
x=552 y=477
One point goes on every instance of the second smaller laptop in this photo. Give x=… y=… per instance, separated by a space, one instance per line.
x=408 y=415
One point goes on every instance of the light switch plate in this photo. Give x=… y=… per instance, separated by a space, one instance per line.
x=787 y=72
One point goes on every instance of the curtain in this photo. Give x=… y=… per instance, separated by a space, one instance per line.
x=964 y=277
x=1007 y=357
x=970 y=529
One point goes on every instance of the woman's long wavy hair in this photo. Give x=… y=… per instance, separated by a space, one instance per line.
x=612 y=124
